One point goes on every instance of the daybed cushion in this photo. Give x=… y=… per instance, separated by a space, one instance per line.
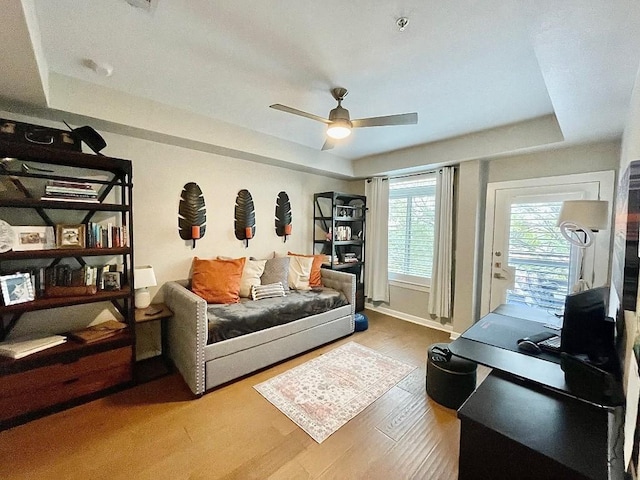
x=217 y=281
x=247 y=316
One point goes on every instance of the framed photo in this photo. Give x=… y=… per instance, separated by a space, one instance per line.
x=16 y=288
x=111 y=280
x=33 y=238
x=70 y=236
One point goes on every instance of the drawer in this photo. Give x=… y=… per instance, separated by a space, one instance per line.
x=42 y=387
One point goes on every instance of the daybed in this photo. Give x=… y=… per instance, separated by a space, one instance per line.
x=205 y=366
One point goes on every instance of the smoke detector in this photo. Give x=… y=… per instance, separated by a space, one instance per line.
x=401 y=23
x=148 y=5
x=103 y=69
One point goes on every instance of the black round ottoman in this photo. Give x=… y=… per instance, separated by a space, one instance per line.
x=450 y=379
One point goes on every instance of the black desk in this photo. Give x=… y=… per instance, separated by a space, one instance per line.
x=523 y=421
x=512 y=431
x=492 y=341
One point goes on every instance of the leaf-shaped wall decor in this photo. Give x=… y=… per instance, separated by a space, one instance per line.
x=245 y=217
x=283 y=215
x=192 y=213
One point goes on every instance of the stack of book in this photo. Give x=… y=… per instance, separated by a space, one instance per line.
x=350 y=258
x=107 y=236
x=21 y=347
x=64 y=191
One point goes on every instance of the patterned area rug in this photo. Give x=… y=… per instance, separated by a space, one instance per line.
x=323 y=394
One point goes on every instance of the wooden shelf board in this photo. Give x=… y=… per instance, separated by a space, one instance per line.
x=68 y=350
x=64 y=253
x=45 y=303
x=61 y=205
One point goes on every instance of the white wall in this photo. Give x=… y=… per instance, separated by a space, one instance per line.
x=159 y=173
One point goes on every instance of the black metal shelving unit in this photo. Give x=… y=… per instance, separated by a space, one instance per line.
x=70 y=373
x=339 y=223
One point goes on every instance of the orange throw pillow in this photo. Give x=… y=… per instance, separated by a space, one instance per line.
x=315 y=279
x=217 y=281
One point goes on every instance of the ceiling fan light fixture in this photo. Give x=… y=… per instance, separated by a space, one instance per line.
x=339 y=129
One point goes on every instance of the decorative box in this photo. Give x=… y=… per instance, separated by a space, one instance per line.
x=39 y=135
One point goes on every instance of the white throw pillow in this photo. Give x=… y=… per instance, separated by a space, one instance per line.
x=258 y=292
x=251 y=274
x=300 y=272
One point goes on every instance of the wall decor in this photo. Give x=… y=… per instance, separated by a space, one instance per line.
x=192 y=213
x=245 y=217
x=283 y=216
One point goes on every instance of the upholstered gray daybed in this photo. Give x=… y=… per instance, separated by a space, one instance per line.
x=205 y=365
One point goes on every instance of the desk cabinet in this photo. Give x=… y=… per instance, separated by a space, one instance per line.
x=512 y=430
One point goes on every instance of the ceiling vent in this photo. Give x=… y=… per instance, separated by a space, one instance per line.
x=148 y=5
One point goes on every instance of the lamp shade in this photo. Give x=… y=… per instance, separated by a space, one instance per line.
x=144 y=277
x=591 y=214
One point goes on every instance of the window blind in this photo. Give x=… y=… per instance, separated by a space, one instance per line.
x=411 y=226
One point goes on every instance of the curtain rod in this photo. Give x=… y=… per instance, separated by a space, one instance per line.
x=411 y=174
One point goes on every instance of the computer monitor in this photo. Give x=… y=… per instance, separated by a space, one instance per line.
x=586 y=328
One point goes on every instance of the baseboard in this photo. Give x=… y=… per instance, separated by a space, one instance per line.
x=411 y=318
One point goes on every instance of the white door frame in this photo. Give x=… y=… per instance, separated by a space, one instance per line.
x=601 y=266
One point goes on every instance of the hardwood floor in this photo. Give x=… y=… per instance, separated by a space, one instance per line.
x=159 y=431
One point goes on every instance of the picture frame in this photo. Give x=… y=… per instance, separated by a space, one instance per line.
x=70 y=236
x=33 y=238
x=16 y=288
x=111 y=280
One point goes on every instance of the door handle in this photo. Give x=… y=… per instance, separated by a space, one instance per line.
x=499 y=276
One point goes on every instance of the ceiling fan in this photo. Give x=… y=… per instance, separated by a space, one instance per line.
x=339 y=123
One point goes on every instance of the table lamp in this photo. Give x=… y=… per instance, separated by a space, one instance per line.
x=144 y=277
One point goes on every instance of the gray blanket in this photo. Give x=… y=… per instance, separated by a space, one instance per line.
x=233 y=320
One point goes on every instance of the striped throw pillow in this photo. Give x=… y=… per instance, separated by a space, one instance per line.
x=258 y=292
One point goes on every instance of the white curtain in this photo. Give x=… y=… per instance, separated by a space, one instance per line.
x=376 y=282
x=441 y=276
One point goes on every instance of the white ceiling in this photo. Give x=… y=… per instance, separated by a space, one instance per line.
x=464 y=66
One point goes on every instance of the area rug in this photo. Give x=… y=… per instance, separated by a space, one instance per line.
x=323 y=394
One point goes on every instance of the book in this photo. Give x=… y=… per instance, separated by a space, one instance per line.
x=67 y=184
x=70 y=199
x=98 y=332
x=23 y=346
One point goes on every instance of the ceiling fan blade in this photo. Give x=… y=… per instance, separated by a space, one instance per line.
x=401 y=119
x=295 y=111
x=328 y=144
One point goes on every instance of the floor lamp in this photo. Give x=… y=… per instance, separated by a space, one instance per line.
x=579 y=220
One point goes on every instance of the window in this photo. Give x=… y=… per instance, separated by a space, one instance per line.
x=411 y=228
x=539 y=255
